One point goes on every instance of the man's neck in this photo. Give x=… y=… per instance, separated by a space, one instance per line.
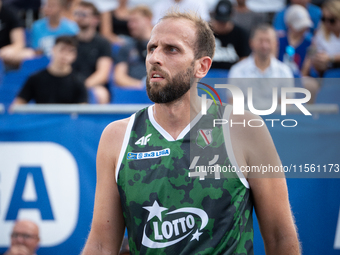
x=241 y=8
x=57 y=69
x=86 y=34
x=175 y=116
x=294 y=39
x=54 y=21
x=262 y=63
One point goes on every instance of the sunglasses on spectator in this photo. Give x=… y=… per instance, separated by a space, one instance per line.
x=16 y=235
x=330 y=20
x=82 y=14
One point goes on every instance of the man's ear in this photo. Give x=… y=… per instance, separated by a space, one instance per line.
x=202 y=66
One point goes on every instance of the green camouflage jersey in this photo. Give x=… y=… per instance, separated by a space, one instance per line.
x=184 y=196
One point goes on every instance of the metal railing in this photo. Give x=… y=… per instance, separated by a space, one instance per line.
x=132 y=108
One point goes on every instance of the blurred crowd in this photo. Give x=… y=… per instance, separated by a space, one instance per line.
x=94 y=45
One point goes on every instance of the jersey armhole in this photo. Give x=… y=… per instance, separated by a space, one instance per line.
x=125 y=143
x=229 y=147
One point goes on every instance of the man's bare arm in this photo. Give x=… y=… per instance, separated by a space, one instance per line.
x=270 y=194
x=101 y=75
x=123 y=79
x=107 y=228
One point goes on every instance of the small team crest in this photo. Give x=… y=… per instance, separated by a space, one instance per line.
x=204 y=137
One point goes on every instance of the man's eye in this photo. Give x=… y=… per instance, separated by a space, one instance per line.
x=172 y=49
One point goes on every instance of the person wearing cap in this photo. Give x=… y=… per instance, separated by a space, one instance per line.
x=313 y=10
x=231 y=40
x=294 y=45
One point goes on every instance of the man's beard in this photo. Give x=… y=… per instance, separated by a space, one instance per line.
x=173 y=89
x=83 y=27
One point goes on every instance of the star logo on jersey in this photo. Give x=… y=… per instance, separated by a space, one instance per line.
x=173 y=227
x=204 y=137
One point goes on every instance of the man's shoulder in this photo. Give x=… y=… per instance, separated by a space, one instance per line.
x=69 y=24
x=39 y=74
x=283 y=69
x=116 y=129
x=8 y=14
x=238 y=29
x=100 y=40
x=313 y=9
x=40 y=23
x=7 y=11
x=241 y=65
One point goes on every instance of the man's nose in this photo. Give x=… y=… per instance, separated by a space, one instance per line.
x=155 y=57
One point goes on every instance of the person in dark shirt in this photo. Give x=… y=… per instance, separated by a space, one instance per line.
x=232 y=41
x=130 y=62
x=58 y=84
x=12 y=38
x=94 y=59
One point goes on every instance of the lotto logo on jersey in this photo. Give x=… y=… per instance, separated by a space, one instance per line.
x=177 y=225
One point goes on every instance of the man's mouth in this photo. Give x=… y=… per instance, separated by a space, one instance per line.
x=156 y=77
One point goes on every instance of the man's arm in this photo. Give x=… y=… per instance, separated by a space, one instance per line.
x=107 y=228
x=101 y=75
x=17 y=37
x=255 y=148
x=122 y=78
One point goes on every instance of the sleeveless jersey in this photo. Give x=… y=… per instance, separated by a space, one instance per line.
x=184 y=196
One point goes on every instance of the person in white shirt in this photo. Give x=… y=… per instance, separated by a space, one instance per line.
x=161 y=7
x=265 y=71
x=327 y=38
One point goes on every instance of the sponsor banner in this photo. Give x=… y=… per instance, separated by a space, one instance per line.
x=47 y=173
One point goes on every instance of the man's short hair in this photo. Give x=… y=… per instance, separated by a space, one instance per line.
x=68 y=40
x=263 y=28
x=142 y=9
x=91 y=6
x=205 y=39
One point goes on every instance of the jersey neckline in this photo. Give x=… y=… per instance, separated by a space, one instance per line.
x=165 y=134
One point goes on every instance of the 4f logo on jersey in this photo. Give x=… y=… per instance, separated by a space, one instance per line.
x=143 y=140
x=179 y=224
x=204 y=137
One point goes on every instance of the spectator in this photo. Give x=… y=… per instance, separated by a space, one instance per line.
x=327 y=39
x=47 y=29
x=114 y=23
x=57 y=84
x=266 y=6
x=12 y=38
x=263 y=65
x=130 y=63
x=313 y=10
x=69 y=7
x=246 y=18
x=294 y=45
x=161 y=7
x=231 y=40
x=94 y=59
x=24 y=238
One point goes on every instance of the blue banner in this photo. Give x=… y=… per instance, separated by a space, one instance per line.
x=48 y=174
